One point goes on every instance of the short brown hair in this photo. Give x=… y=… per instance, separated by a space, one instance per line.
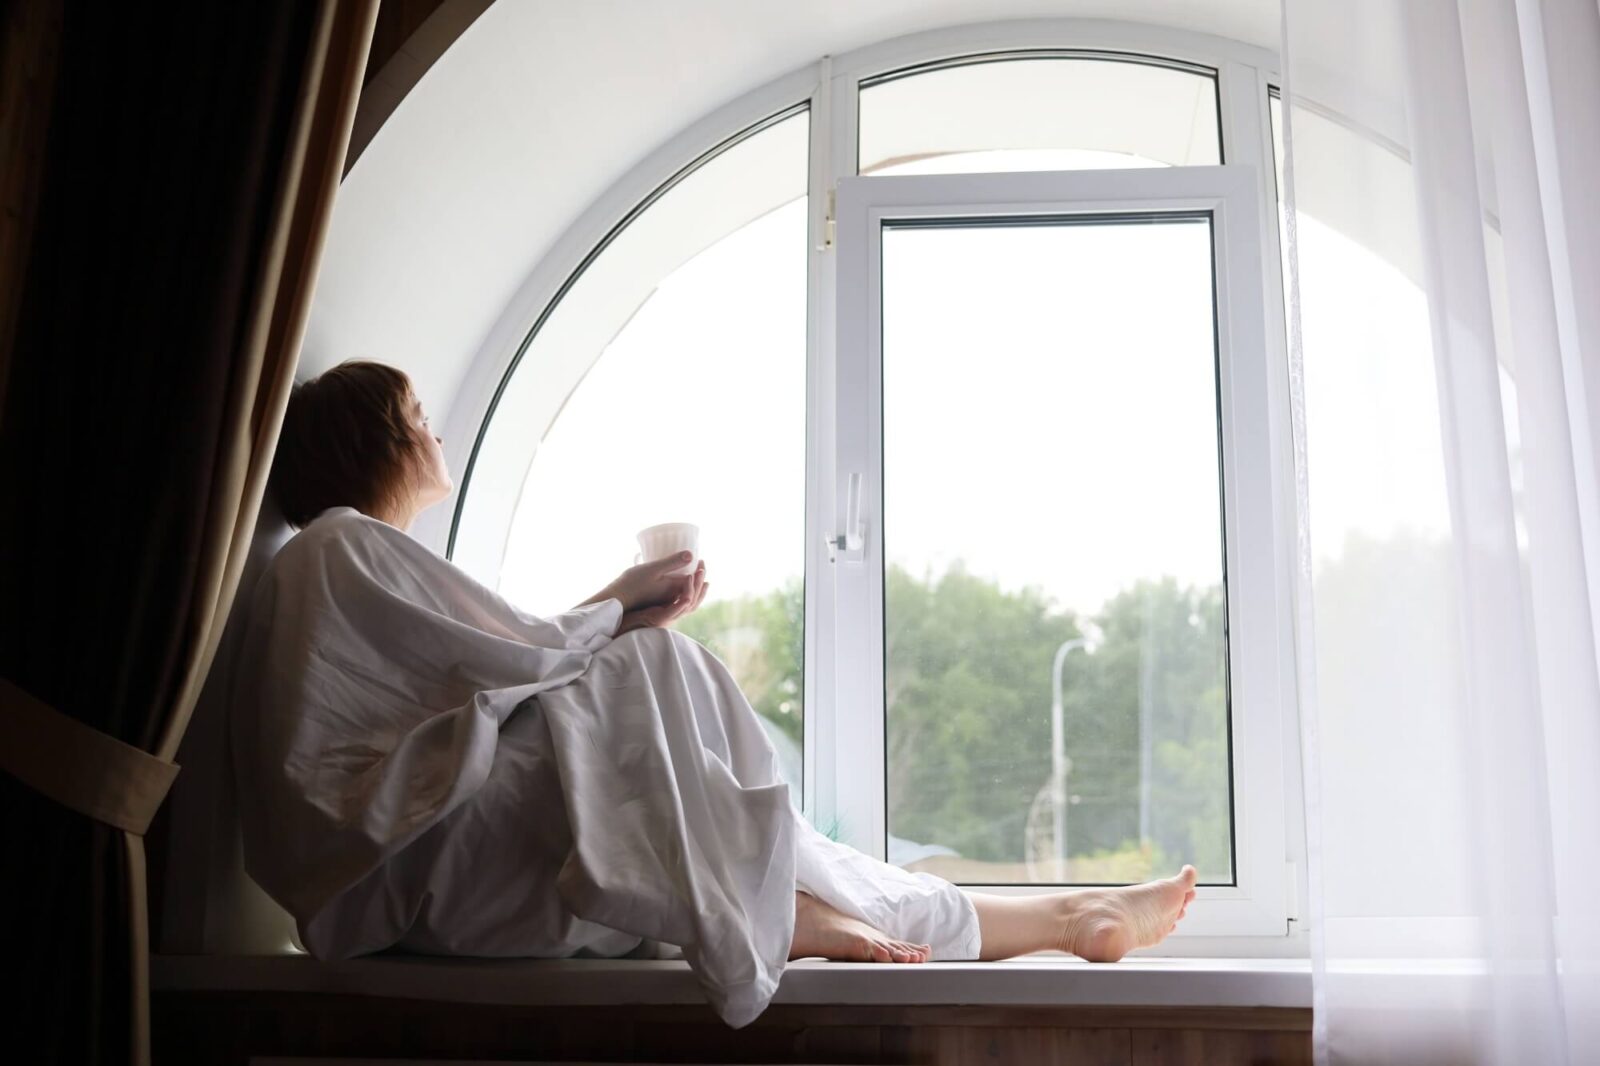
x=347 y=441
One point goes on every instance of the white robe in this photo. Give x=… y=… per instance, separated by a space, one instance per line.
x=421 y=765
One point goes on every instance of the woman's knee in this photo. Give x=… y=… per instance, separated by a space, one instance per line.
x=656 y=636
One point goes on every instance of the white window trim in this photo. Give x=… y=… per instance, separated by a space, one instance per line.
x=1257 y=903
x=831 y=87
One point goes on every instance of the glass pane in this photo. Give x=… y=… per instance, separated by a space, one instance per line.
x=1039 y=114
x=669 y=385
x=1052 y=502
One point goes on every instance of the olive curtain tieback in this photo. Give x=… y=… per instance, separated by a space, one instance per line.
x=78 y=766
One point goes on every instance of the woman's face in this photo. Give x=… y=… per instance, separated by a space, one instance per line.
x=435 y=481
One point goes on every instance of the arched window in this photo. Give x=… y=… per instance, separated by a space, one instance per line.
x=1048 y=404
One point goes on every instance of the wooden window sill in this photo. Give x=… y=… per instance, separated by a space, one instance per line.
x=1034 y=981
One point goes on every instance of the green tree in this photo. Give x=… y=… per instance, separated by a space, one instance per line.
x=967 y=683
x=969 y=721
x=761 y=641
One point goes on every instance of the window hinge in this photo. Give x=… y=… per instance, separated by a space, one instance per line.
x=828 y=226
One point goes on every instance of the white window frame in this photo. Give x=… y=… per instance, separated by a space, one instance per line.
x=831 y=86
x=1256 y=904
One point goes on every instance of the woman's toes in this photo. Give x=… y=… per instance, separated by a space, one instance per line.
x=900 y=951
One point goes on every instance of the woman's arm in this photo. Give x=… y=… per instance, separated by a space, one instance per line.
x=587 y=627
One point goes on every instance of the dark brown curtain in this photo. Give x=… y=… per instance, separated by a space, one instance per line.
x=187 y=156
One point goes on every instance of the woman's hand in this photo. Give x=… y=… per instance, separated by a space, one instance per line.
x=649 y=584
x=692 y=592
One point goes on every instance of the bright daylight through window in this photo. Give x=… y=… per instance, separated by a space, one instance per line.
x=1028 y=395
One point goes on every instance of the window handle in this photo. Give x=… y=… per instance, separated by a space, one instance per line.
x=849 y=545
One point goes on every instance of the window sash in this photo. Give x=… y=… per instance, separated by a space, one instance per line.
x=847 y=731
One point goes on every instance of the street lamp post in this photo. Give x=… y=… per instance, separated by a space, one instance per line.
x=1058 y=758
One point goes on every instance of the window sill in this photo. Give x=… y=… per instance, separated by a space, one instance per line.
x=1035 y=981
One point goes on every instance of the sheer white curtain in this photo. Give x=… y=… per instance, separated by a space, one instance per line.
x=1442 y=226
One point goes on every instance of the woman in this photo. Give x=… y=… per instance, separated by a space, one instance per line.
x=421 y=765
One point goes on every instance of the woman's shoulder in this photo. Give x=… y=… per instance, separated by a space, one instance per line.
x=343 y=540
x=340 y=518
x=339 y=533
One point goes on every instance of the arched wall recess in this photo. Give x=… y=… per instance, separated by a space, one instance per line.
x=827 y=92
x=827 y=89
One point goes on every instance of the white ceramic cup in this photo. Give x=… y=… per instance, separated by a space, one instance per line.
x=669 y=538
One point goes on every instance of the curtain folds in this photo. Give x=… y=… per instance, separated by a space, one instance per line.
x=1442 y=238
x=189 y=169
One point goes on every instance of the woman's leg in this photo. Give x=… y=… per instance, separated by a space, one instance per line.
x=853 y=907
x=1098 y=924
x=1101 y=925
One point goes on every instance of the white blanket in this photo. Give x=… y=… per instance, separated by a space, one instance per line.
x=422 y=765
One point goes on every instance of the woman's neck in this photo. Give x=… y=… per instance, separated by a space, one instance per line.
x=396 y=516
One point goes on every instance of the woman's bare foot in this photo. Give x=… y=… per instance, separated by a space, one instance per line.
x=821 y=930
x=1104 y=924
x=1099 y=924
